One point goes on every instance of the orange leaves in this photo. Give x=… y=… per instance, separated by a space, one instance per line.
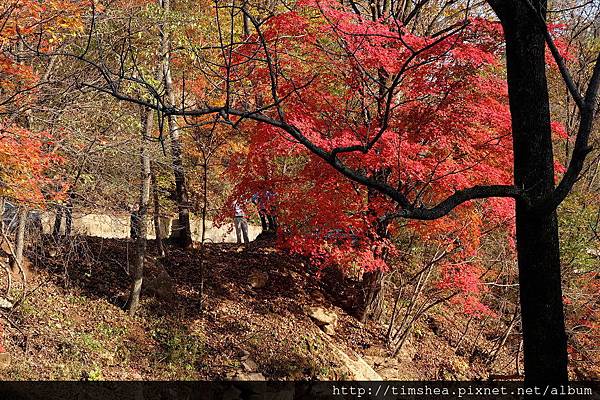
x=23 y=165
x=28 y=27
x=46 y=20
x=32 y=26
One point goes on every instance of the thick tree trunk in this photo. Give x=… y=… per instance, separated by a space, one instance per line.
x=372 y=307
x=57 y=222
x=184 y=239
x=545 y=342
x=141 y=220
x=544 y=337
x=373 y=282
x=159 y=239
x=20 y=238
x=245 y=20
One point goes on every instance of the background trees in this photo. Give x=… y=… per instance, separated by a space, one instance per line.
x=25 y=139
x=409 y=143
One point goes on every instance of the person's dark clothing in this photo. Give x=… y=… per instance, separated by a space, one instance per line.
x=266 y=210
x=135 y=225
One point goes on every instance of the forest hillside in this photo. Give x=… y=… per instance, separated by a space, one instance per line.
x=264 y=315
x=300 y=190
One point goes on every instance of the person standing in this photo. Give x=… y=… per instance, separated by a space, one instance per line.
x=134 y=224
x=262 y=210
x=272 y=210
x=240 y=223
x=265 y=202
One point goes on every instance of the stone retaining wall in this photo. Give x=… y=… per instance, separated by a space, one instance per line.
x=117 y=226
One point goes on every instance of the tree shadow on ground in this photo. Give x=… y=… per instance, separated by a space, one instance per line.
x=231 y=318
x=98 y=268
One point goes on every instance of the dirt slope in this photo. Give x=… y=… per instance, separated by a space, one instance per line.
x=71 y=325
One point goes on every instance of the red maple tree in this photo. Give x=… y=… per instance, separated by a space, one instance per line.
x=427 y=115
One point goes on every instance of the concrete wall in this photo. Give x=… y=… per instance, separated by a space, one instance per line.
x=223 y=234
x=118 y=226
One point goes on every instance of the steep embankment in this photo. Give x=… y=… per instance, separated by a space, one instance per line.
x=253 y=322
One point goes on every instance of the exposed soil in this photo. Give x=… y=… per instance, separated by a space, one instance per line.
x=71 y=324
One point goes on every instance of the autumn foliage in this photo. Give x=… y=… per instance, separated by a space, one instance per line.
x=440 y=108
x=28 y=28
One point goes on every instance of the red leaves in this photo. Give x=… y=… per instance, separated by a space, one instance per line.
x=558 y=130
x=446 y=127
x=24 y=154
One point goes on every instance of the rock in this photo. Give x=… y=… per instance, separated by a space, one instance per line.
x=328 y=329
x=4 y=360
x=162 y=286
x=230 y=375
x=252 y=376
x=249 y=365
x=322 y=316
x=358 y=368
x=258 y=279
x=5 y=303
x=256 y=376
x=377 y=361
x=594 y=252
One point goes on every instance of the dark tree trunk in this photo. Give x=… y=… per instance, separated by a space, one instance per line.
x=204 y=197
x=184 y=238
x=545 y=342
x=159 y=240
x=141 y=220
x=372 y=307
x=245 y=20
x=373 y=282
x=57 y=222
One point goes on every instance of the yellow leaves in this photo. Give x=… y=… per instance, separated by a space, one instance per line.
x=237 y=146
x=46 y=23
